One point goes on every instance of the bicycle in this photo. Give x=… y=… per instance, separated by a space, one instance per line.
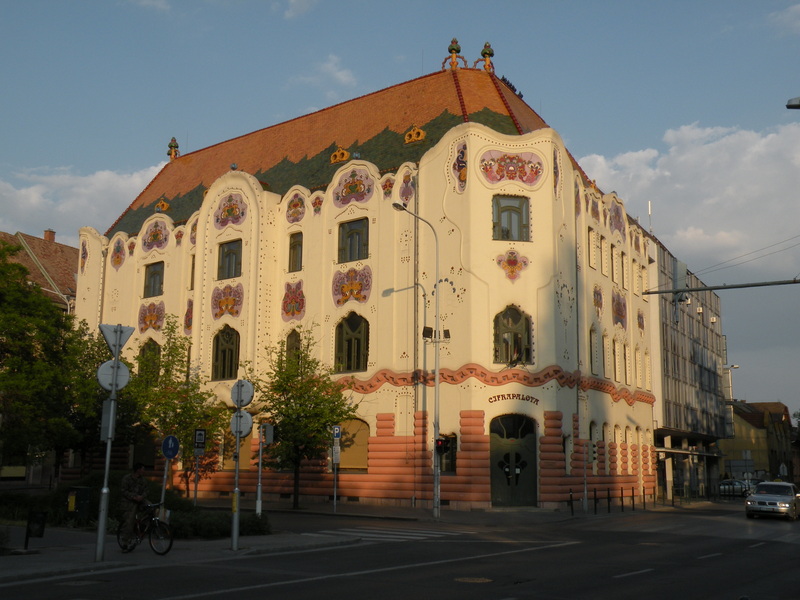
x=148 y=524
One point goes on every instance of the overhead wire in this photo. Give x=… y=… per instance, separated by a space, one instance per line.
x=720 y=266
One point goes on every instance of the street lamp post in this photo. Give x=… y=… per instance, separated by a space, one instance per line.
x=436 y=340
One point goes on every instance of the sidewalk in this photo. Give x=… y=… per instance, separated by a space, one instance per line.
x=64 y=551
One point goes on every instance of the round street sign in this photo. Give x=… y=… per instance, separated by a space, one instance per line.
x=105 y=375
x=241 y=423
x=242 y=393
x=170 y=447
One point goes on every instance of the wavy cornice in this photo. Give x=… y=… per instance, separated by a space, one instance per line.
x=494 y=378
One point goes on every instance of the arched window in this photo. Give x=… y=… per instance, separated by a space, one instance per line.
x=292 y=344
x=512 y=337
x=352 y=344
x=225 y=363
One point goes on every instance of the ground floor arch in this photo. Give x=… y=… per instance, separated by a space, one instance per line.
x=512 y=460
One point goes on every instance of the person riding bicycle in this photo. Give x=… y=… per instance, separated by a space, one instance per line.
x=134 y=490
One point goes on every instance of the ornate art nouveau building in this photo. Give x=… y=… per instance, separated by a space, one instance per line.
x=548 y=347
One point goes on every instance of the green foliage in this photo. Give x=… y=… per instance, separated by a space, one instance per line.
x=171 y=396
x=37 y=385
x=302 y=400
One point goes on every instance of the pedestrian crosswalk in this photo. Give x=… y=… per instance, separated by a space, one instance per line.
x=394 y=534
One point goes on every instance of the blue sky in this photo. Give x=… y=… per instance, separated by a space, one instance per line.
x=679 y=105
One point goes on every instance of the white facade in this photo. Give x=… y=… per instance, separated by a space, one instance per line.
x=566 y=258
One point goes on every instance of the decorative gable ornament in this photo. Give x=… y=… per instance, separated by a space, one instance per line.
x=340 y=155
x=415 y=134
x=486 y=56
x=455 y=53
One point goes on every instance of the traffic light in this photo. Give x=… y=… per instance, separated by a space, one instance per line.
x=442 y=445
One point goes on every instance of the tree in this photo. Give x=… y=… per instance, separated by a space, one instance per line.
x=35 y=395
x=170 y=393
x=86 y=352
x=302 y=401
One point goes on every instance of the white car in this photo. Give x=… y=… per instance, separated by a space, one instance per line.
x=773 y=498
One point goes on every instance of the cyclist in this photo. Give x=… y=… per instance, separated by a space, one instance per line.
x=134 y=489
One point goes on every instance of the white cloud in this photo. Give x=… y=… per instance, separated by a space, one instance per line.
x=332 y=68
x=157 y=4
x=65 y=202
x=725 y=201
x=329 y=76
x=715 y=193
x=788 y=19
x=297 y=8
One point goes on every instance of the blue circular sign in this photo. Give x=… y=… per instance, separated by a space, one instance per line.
x=170 y=446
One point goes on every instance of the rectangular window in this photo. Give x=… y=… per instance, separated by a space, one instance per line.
x=154 y=279
x=510 y=218
x=626 y=354
x=638 y=368
x=592 y=243
x=624 y=270
x=191 y=274
x=594 y=351
x=615 y=264
x=645 y=282
x=229 y=264
x=604 y=256
x=295 y=252
x=353 y=240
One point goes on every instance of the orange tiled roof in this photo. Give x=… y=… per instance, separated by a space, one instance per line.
x=51 y=266
x=298 y=151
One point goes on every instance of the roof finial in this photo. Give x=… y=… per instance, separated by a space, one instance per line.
x=487 y=53
x=454 y=48
x=173 y=151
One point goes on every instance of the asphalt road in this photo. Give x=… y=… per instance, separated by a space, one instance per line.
x=706 y=555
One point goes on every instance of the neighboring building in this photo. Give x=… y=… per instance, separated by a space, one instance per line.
x=692 y=414
x=51 y=266
x=549 y=347
x=54 y=268
x=762 y=445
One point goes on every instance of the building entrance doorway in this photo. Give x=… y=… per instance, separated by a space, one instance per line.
x=512 y=452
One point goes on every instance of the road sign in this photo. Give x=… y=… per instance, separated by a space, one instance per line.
x=242 y=393
x=241 y=422
x=267 y=433
x=105 y=375
x=336 y=455
x=337 y=432
x=116 y=336
x=199 y=442
x=170 y=447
